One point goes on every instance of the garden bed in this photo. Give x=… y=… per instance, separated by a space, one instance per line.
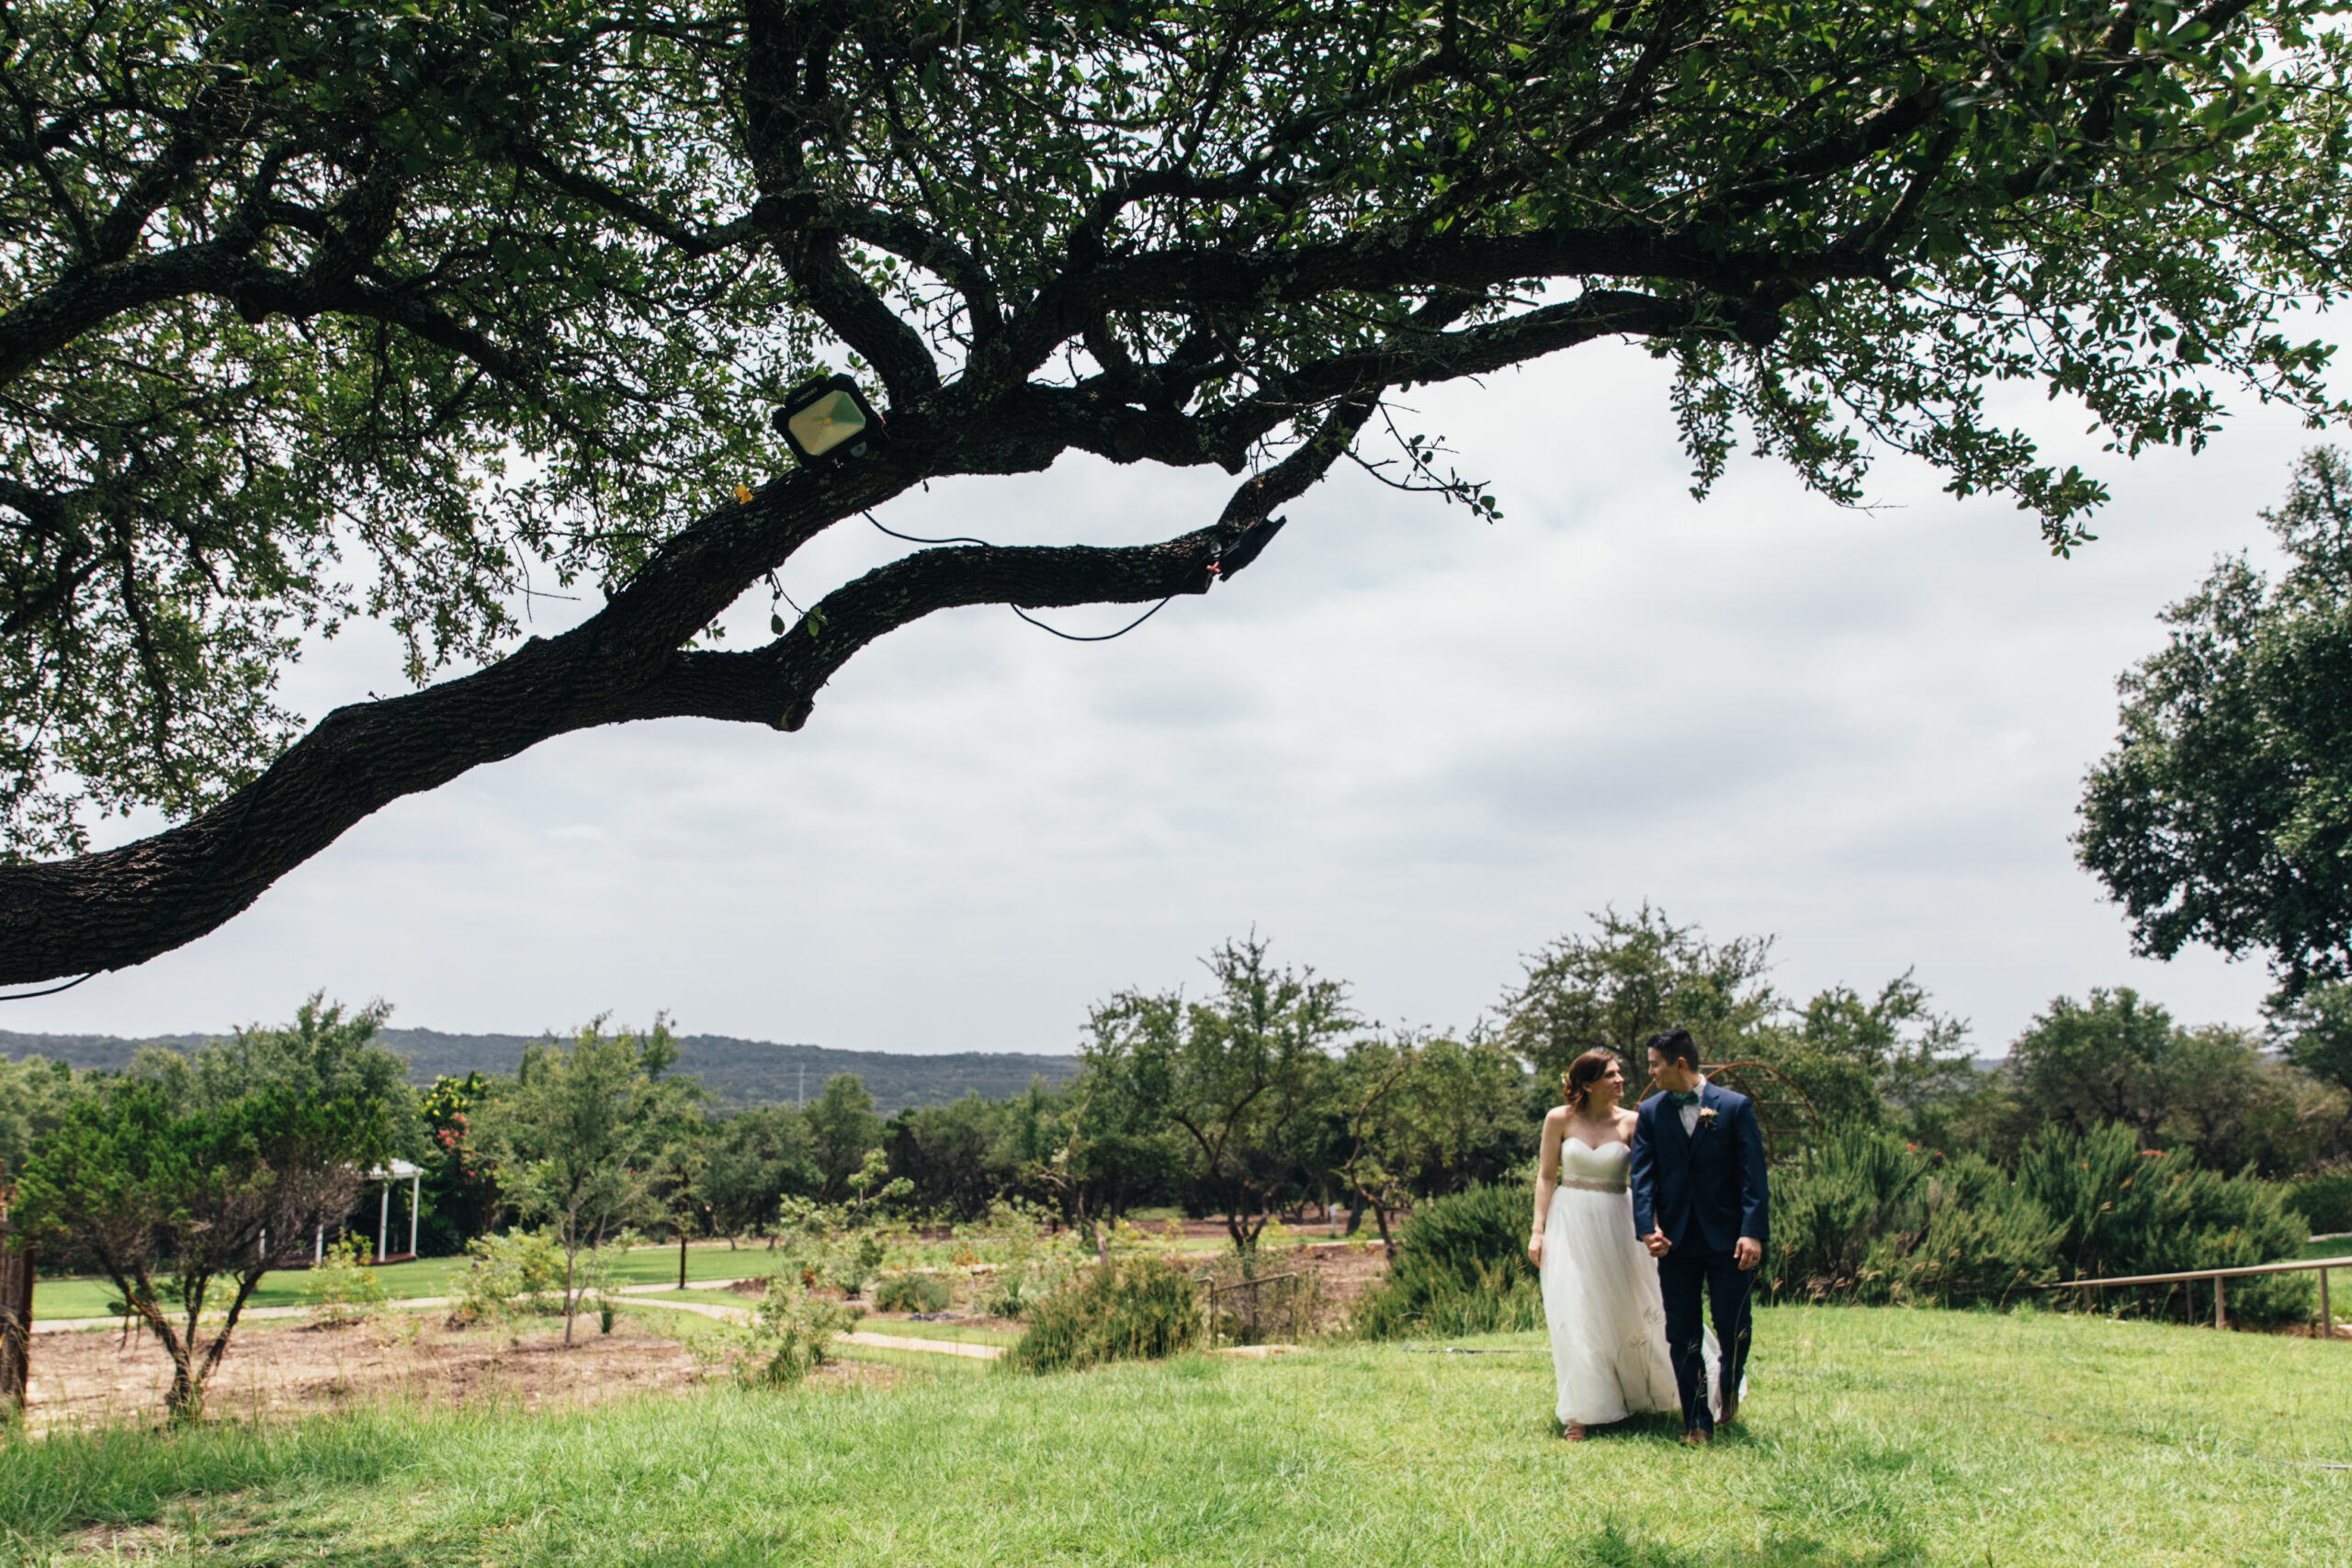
x=277 y=1370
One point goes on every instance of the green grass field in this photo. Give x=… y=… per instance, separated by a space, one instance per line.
x=1886 y=1438
x=83 y=1296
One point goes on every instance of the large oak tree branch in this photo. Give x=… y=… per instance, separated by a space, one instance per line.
x=122 y=906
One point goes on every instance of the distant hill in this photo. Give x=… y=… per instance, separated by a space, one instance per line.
x=743 y=1072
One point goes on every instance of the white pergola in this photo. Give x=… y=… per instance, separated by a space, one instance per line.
x=398 y=1171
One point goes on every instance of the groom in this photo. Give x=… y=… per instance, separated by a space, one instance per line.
x=1699 y=1206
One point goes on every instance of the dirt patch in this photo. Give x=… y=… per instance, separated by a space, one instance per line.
x=1345 y=1270
x=275 y=1371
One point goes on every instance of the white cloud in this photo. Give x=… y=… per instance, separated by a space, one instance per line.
x=1408 y=745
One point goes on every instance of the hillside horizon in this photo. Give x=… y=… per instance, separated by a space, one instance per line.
x=737 y=1072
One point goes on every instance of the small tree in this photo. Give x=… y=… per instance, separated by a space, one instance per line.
x=576 y=1133
x=1428 y=1116
x=168 y=1203
x=34 y=1097
x=2317 y=1030
x=841 y=1128
x=1635 y=975
x=460 y=1193
x=1231 y=1074
x=2109 y=1061
x=678 y=1178
x=1380 y=1167
x=756 y=1157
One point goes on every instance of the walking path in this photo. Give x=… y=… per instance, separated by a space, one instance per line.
x=704 y=1309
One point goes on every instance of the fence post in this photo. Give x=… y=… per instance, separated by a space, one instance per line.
x=16 y=1323
x=2326 y=1317
x=2221 y=1317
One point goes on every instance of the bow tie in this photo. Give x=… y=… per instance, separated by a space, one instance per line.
x=1689 y=1099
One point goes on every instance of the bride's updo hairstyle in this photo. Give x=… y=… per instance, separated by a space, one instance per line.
x=1583 y=1073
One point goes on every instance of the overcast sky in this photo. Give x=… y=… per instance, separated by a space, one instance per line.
x=1408 y=745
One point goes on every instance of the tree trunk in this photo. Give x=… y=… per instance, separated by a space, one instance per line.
x=681 y=1258
x=16 y=1325
x=570 y=1304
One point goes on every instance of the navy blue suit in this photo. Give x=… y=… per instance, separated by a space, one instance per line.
x=1703 y=1189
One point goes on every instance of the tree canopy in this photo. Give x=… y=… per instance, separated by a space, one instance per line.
x=167 y=1199
x=2223 y=815
x=324 y=309
x=1234 y=1077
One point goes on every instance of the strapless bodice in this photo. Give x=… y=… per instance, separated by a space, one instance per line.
x=1588 y=1166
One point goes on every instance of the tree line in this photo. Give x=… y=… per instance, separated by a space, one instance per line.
x=186 y=1177
x=1261 y=1092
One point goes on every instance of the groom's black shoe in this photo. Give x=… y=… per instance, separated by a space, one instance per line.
x=1697 y=1437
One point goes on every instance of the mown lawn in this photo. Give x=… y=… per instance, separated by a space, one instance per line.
x=1872 y=1437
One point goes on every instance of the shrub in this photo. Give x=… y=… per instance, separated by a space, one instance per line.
x=910 y=1292
x=1131 y=1308
x=791 y=1331
x=1460 y=1268
x=1007 y=1295
x=2124 y=1209
x=853 y=1263
x=521 y=1272
x=1864 y=1217
x=2324 y=1200
x=341 y=1288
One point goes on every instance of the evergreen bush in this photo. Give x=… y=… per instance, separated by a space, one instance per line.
x=1127 y=1309
x=2324 y=1200
x=910 y=1292
x=1460 y=1268
x=2124 y=1209
x=1865 y=1217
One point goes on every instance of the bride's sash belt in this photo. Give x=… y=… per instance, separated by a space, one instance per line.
x=1585 y=1184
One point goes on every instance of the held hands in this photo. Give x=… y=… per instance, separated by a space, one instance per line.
x=1658 y=1244
x=1747 y=1252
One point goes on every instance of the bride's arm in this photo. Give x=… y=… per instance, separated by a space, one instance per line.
x=1547 y=1177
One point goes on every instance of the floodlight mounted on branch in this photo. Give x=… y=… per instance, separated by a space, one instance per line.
x=827 y=418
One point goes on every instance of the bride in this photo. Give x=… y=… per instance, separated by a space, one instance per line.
x=1600 y=1290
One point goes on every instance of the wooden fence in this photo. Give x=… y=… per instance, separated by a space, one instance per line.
x=2221 y=1308
x=1248 y=1319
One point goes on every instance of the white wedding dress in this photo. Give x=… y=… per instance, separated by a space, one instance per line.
x=1601 y=1298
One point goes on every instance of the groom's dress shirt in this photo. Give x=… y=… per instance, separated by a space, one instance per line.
x=1690 y=1112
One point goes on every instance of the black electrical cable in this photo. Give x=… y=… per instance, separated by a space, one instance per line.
x=52 y=990
x=1065 y=636
x=913 y=540
x=1107 y=636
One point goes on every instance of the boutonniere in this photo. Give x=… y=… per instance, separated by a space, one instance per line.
x=1706 y=1116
